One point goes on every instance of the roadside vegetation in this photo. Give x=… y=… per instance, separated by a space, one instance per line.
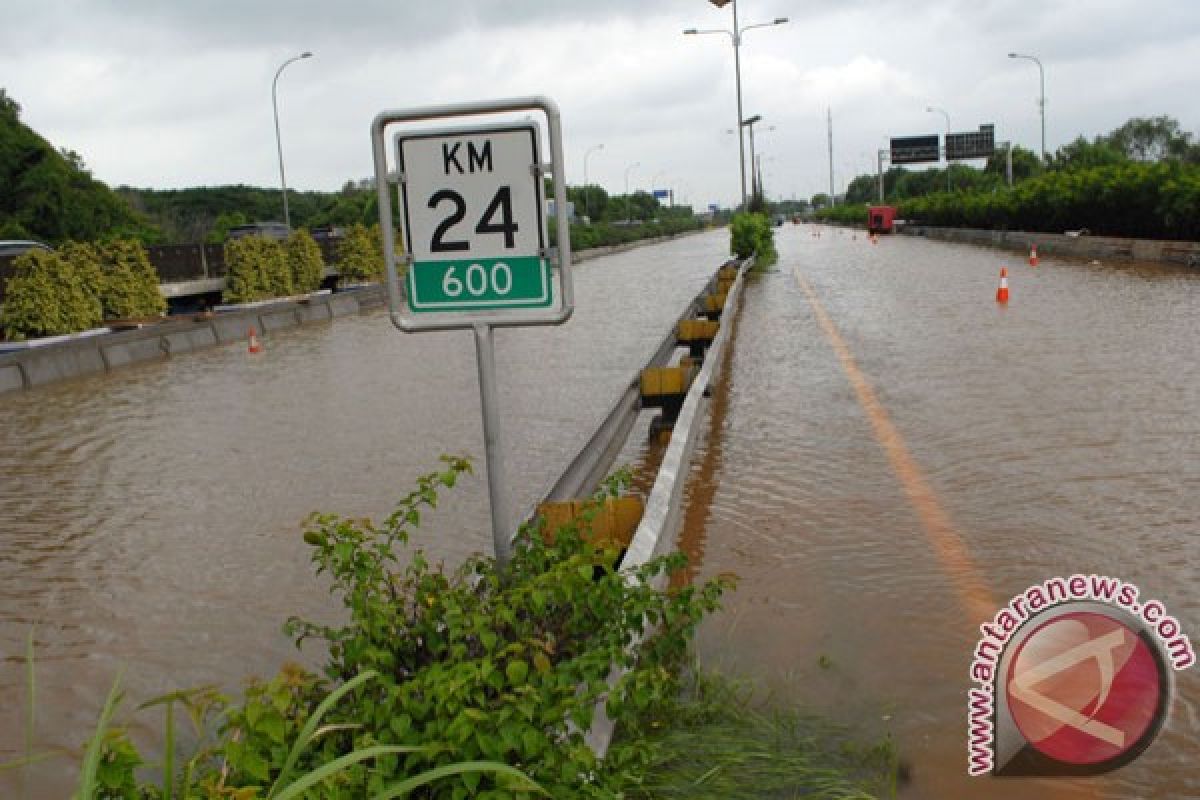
x=79 y=287
x=751 y=234
x=475 y=682
x=1142 y=180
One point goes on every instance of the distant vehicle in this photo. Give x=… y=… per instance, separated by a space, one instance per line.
x=11 y=248
x=881 y=219
x=778 y=220
x=327 y=233
x=270 y=230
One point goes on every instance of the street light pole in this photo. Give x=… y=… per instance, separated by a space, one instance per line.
x=735 y=37
x=590 y=150
x=1041 y=97
x=628 y=199
x=749 y=123
x=946 y=114
x=287 y=219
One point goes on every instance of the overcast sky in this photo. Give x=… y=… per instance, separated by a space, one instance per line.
x=175 y=93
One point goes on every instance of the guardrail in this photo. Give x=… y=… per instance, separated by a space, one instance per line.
x=658 y=528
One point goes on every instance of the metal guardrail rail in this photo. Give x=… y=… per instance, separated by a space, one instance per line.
x=658 y=530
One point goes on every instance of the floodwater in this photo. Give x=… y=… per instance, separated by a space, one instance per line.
x=150 y=520
x=1053 y=436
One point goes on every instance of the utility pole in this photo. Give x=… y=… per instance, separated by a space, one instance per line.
x=832 y=196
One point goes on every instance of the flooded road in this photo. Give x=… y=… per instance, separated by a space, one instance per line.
x=1056 y=435
x=150 y=519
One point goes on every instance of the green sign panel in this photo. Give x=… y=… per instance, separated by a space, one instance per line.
x=480 y=284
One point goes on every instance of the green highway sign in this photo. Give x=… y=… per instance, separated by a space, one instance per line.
x=474 y=219
x=485 y=283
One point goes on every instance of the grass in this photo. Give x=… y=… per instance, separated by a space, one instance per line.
x=721 y=744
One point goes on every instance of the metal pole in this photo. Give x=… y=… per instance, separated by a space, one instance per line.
x=880 y=163
x=590 y=150
x=832 y=195
x=1008 y=163
x=287 y=219
x=1041 y=96
x=737 y=72
x=945 y=114
x=628 y=199
x=1042 y=103
x=489 y=397
x=750 y=125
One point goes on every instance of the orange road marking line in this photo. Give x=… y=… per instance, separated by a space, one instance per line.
x=948 y=545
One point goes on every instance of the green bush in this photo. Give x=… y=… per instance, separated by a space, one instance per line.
x=1132 y=199
x=256 y=269
x=459 y=674
x=360 y=255
x=127 y=281
x=752 y=234
x=50 y=293
x=853 y=214
x=305 y=262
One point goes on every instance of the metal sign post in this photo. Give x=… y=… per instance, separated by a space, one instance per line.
x=473 y=218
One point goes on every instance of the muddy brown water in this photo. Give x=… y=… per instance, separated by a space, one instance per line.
x=150 y=519
x=1058 y=435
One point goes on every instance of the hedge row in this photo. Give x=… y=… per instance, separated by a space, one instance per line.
x=1136 y=200
x=752 y=234
x=77 y=288
x=1151 y=201
x=604 y=234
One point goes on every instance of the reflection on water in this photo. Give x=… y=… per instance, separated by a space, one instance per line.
x=150 y=519
x=1059 y=434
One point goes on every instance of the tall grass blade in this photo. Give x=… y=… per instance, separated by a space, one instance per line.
x=91 y=759
x=27 y=760
x=306 y=733
x=31 y=696
x=306 y=781
x=405 y=786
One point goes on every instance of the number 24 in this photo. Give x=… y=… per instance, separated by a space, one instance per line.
x=501 y=204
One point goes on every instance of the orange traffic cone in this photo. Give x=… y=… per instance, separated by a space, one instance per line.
x=1033 y=259
x=1002 y=292
x=255 y=346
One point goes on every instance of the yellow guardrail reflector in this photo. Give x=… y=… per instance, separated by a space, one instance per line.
x=698 y=330
x=610 y=523
x=658 y=381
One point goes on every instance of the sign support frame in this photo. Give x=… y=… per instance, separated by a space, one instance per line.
x=481 y=322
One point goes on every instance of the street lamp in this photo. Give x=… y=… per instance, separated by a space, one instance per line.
x=946 y=114
x=628 y=199
x=749 y=123
x=1041 y=97
x=735 y=37
x=590 y=150
x=287 y=219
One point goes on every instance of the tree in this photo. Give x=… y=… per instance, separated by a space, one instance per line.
x=305 y=262
x=257 y=269
x=1025 y=164
x=863 y=189
x=48 y=295
x=128 y=287
x=1151 y=139
x=49 y=193
x=590 y=200
x=820 y=200
x=359 y=258
x=1082 y=154
x=220 y=229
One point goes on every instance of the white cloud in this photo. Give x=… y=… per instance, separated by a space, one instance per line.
x=178 y=94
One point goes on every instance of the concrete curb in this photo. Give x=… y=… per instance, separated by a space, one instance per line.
x=1101 y=248
x=38 y=366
